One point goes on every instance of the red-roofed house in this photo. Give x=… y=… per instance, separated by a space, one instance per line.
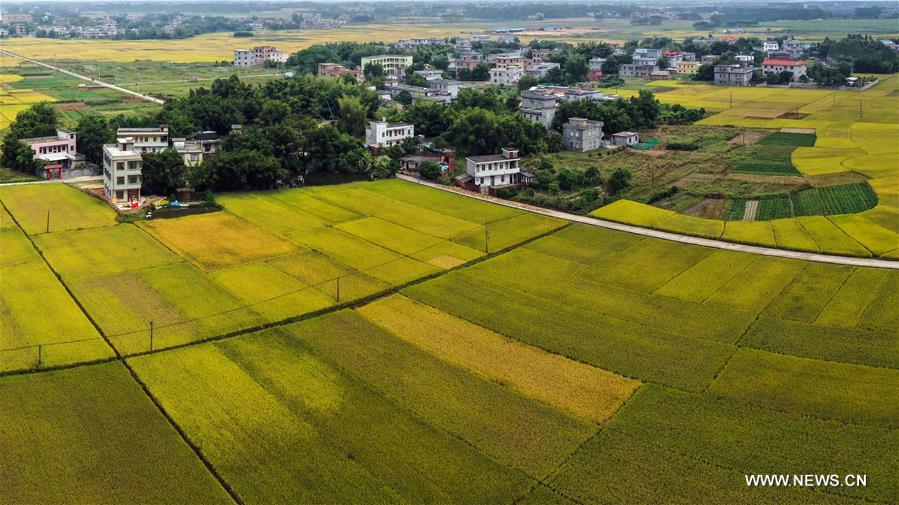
x=776 y=66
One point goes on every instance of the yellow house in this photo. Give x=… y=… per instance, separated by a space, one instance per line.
x=687 y=67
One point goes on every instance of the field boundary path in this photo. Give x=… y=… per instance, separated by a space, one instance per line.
x=83 y=77
x=664 y=235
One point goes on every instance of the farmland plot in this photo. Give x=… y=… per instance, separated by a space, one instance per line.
x=67 y=208
x=90 y=435
x=266 y=398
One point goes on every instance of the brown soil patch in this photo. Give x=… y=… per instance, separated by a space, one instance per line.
x=837 y=179
x=71 y=106
x=131 y=99
x=748 y=137
x=792 y=115
x=712 y=208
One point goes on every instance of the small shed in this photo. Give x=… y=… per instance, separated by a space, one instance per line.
x=626 y=138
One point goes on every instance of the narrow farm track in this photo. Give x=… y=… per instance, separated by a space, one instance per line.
x=664 y=235
x=85 y=78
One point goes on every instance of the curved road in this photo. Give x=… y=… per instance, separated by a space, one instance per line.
x=664 y=235
x=88 y=79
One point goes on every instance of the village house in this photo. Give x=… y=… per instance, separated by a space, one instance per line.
x=539 y=105
x=429 y=74
x=793 y=48
x=595 y=72
x=395 y=88
x=56 y=149
x=336 y=70
x=122 y=172
x=709 y=59
x=258 y=55
x=445 y=158
x=146 y=140
x=190 y=150
x=540 y=70
x=394 y=65
x=580 y=134
x=745 y=58
x=625 y=138
x=493 y=170
x=687 y=67
x=448 y=86
x=770 y=45
x=507 y=60
x=506 y=75
x=660 y=74
x=646 y=56
x=733 y=75
x=635 y=70
x=381 y=133
x=797 y=67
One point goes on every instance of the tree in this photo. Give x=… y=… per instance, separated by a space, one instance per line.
x=527 y=81
x=37 y=121
x=430 y=118
x=663 y=62
x=163 y=172
x=429 y=170
x=352 y=115
x=238 y=170
x=404 y=97
x=93 y=131
x=705 y=72
x=373 y=71
x=383 y=167
x=619 y=180
x=413 y=79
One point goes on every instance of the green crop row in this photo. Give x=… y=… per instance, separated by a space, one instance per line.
x=788 y=139
x=846 y=199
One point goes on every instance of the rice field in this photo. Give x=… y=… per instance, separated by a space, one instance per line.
x=569 y=364
x=269 y=257
x=14 y=101
x=855 y=133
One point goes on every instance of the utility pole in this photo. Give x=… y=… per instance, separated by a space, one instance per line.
x=48 y=220
x=40 y=355
x=151 y=336
x=338 y=288
x=486 y=239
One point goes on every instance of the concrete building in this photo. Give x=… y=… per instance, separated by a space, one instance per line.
x=745 y=58
x=797 y=67
x=687 y=67
x=539 y=105
x=446 y=158
x=636 y=70
x=646 y=56
x=710 y=59
x=508 y=76
x=793 y=48
x=580 y=134
x=122 y=166
x=395 y=88
x=625 y=138
x=660 y=74
x=190 y=150
x=244 y=58
x=539 y=70
x=448 y=86
x=394 y=65
x=770 y=45
x=429 y=74
x=56 y=149
x=506 y=60
x=381 y=133
x=494 y=170
x=336 y=70
x=733 y=75
x=258 y=55
x=146 y=140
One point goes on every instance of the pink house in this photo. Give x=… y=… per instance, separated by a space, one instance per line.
x=57 y=150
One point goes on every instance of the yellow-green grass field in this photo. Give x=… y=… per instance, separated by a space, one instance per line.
x=269 y=257
x=856 y=133
x=14 y=101
x=90 y=435
x=582 y=366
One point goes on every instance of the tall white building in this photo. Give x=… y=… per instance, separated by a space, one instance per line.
x=147 y=140
x=122 y=171
x=382 y=133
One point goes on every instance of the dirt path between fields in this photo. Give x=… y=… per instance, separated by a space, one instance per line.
x=664 y=235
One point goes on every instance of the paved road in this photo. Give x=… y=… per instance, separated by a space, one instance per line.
x=88 y=79
x=664 y=235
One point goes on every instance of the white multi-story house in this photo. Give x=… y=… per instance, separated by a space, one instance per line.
x=770 y=45
x=122 y=171
x=506 y=76
x=798 y=67
x=793 y=48
x=539 y=70
x=258 y=55
x=448 y=86
x=381 y=133
x=580 y=134
x=147 y=140
x=539 y=106
x=429 y=74
x=644 y=56
x=745 y=58
x=494 y=169
x=394 y=65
